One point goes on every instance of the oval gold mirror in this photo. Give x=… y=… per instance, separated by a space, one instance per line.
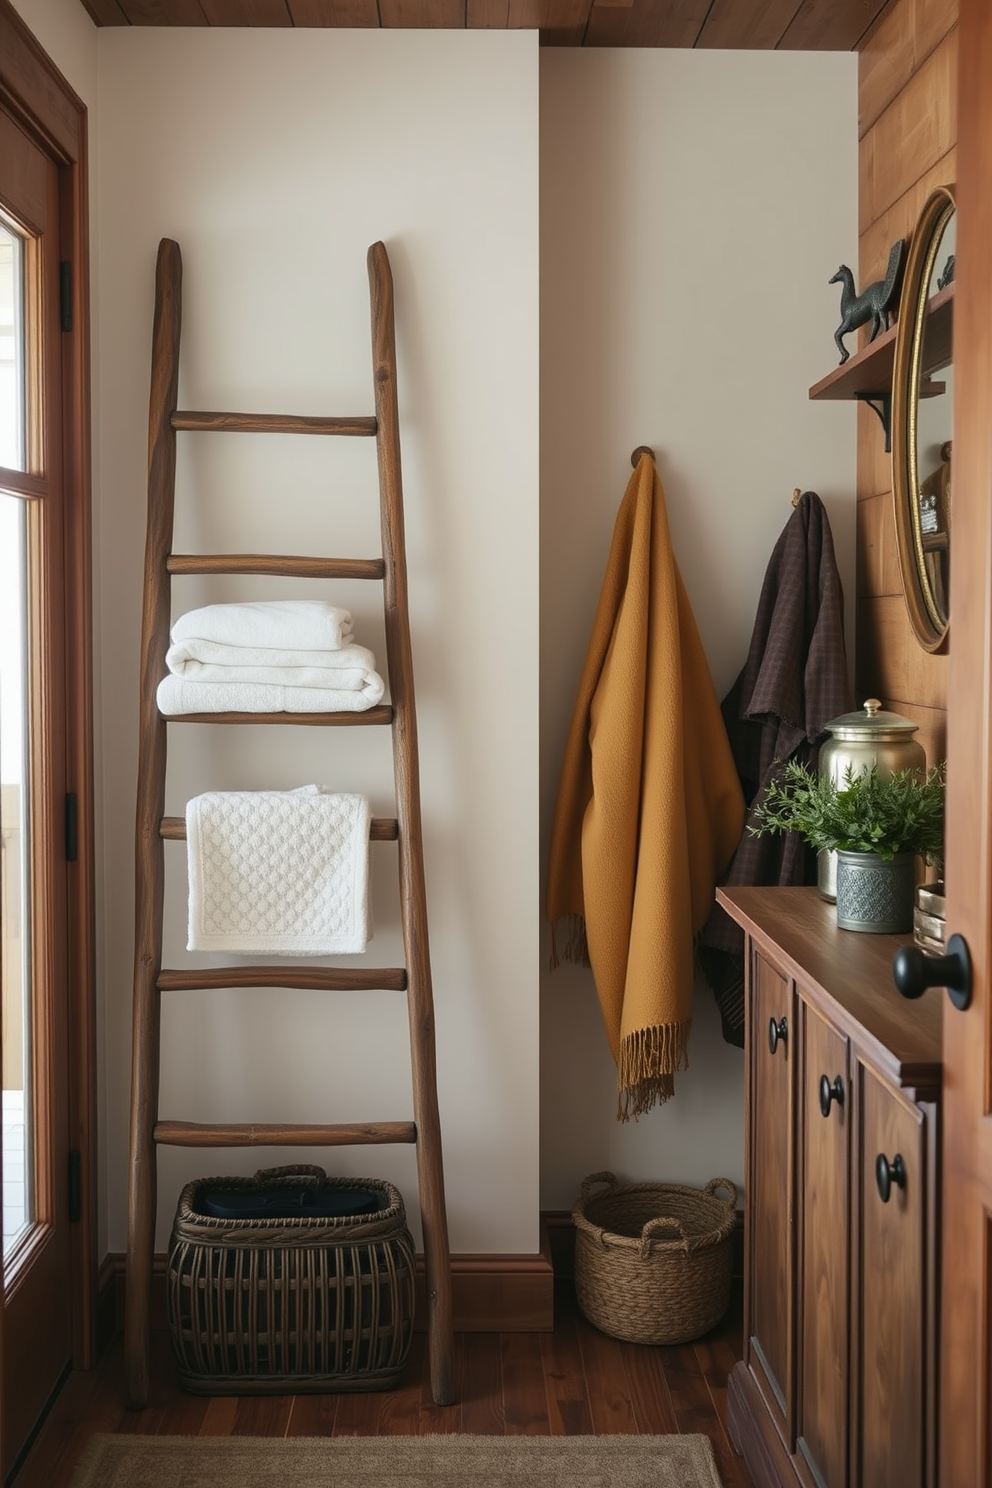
x=922 y=403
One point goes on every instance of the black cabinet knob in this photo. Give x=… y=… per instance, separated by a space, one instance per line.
x=887 y=1173
x=778 y=1033
x=829 y=1093
x=913 y=971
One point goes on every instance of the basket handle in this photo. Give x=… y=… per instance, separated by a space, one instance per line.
x=305 y=1172
x=715 y=1183
x=610 y=1179
x=664 y=1224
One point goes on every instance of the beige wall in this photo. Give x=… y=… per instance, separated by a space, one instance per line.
x=275 y=159
x=693 y=207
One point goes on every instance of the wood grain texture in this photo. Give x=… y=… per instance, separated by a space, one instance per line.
x=657 y=23
x=761 y=29
x=847 y=976
x=829 y=25
x=878 y=559
x=358 y=14
x=892 y=1357
x=895 y=49
x=899 y=220
x=966 y=1329
x=825 y=1218
x=889 y=661
x=770 y=1253
x=913 y=133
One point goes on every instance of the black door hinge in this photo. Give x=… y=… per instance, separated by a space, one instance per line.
x=65 y=294
x=71 y=826
x=75 y=1187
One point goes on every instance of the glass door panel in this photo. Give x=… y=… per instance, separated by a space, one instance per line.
x=15 y=875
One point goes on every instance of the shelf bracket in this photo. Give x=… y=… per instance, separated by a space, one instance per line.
x=880 y=403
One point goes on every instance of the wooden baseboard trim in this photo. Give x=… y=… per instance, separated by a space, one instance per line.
x=489 y=1294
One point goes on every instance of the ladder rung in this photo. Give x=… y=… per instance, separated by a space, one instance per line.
x=382 y=714
x=311 y=978
x=270 y=423
x=282 y=565
x=198 y=1134
x=383 y=829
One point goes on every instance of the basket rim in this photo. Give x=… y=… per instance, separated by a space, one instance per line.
x=647 y=1242
x=190 y=1225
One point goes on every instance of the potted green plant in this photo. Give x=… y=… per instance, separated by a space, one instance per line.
x=878 y=825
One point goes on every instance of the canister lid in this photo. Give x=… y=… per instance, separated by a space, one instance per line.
x=871 y=722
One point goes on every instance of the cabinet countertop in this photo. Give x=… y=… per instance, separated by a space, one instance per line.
x=849 y=973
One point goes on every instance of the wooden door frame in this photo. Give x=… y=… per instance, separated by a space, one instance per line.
x=966 y=1327
x=36 y=94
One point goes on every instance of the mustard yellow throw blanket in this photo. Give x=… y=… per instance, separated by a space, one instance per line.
x=649 y=807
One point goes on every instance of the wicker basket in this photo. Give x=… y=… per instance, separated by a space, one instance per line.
x=654 y=1261
x=277 y=1306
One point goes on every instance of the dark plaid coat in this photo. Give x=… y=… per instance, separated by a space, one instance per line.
x=794 y=682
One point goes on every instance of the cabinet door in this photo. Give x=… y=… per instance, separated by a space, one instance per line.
x=824 y=1284
x=771 y=1252
x=892 y=1294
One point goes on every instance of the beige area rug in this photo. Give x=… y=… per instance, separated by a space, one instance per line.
x=398 y=1462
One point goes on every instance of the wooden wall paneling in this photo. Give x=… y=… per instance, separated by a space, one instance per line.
x=931 y=728
x=422 y=14
x=661 y=23
x=725 y=26
x=830 y=25
x=486 y=15
x=560 y=22
x=246 y=12
x=891 y=662
x=874 y=472
x=166 y=13
x=878 y=562
x=898 y=220
x=359 y=14
x=915 y=131
x=896 y=49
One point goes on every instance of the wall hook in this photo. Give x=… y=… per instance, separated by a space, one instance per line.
x=642 y=449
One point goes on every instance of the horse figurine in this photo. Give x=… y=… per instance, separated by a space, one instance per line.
x=873 y=303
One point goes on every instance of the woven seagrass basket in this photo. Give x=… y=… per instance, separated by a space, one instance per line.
x=654 y=1261
x=280 y=1306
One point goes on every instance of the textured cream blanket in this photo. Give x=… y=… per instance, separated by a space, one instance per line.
x=649 y=807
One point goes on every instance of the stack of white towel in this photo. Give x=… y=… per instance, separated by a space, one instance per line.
x=268 y=656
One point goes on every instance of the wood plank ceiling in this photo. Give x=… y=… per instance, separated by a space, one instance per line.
x=746 y=25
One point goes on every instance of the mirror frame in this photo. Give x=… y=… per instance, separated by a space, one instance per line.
x=929 y=626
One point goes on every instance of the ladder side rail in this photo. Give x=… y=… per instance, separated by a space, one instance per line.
x=149 y=849
x=413 y=898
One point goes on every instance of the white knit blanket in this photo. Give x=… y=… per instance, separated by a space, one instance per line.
x=177 y=695
x=282 y=873
x=349 y=668
x=289 y=624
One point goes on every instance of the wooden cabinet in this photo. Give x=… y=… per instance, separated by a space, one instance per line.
x=837 y=1385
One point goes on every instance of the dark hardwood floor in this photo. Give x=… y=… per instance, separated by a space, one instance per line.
x=573 y=1381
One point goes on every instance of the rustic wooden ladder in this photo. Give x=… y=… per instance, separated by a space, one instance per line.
x=150 y=978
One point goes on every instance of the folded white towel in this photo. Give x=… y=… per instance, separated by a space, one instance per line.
x=349 y=668
x=292 y=624
x=177 y=695
x=282 y=873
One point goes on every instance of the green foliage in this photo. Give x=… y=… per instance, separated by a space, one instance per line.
x=869 y=813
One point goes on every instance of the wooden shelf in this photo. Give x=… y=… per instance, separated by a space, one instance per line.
x=868 y=373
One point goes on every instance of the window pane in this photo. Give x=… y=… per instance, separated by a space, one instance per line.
x=15 y=877
x=12 y=364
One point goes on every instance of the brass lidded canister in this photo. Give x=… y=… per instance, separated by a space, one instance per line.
x=867 y=737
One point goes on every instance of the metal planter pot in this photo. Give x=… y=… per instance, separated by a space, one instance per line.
x=875 y=894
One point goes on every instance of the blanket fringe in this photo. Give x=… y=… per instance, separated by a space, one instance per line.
x=649 y=1060
x=576 y=947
